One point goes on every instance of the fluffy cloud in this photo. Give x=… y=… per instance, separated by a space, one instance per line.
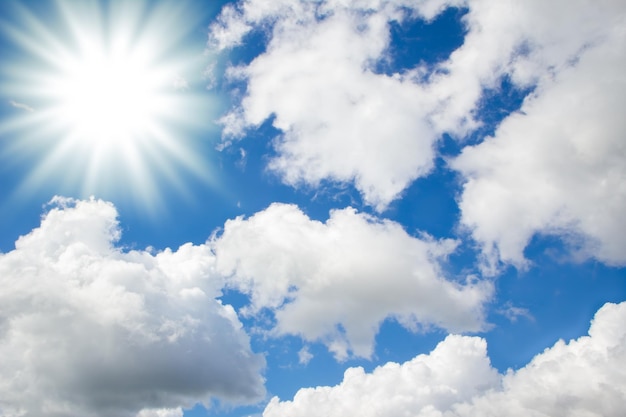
x=456 y=370
x=525 y=41
x=558 y=166
x=337 y=281
x=583 y=377
x=342 y=121
x=88 y=329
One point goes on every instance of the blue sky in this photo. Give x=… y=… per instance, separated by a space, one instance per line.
x=303 y=208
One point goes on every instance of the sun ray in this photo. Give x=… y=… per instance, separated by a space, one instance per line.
x=107 y=94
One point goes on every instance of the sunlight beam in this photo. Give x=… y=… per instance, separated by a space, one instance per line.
x=110 y=93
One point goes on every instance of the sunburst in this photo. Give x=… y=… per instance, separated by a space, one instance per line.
x=108 y=97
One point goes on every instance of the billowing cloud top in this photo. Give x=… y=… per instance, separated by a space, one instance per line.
x=337 y=281
x=88 y=329
x=583 y=377
x=109 y=331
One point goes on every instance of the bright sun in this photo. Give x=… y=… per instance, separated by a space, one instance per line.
x=111 y=99
x=104 y=94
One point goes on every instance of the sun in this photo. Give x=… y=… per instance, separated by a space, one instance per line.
x=109 y=99
x=109 y=94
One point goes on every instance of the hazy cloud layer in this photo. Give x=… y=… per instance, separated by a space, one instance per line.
x=583 y=377
x=89 y=330
x=337 y=281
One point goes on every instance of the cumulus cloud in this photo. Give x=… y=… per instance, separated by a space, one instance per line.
x=87 y=329
x=456 y=370
x=336 y=282
x=557 y=167
x=339 y=119
x=343 y=121
x=583 y=377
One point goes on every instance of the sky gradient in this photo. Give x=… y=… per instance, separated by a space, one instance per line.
x=303 y=208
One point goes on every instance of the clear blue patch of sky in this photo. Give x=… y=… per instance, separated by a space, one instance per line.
x=495 y=105
x=561 y=298
x=417 y=42
x=429 y=203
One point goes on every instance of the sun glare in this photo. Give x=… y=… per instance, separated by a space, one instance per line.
x=109 y=100
x=107 y=91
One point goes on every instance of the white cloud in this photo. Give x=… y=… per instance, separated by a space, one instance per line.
x=22 y=106
x=343 y=122
x=585 y=377
x=161 y=412
x=336 y=282
x=87 y=329
x=304 y=356
x=340 y=120
x=455 y=371
x=557 y=167
x=513 y=313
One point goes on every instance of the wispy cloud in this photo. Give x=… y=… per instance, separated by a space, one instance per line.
x=512 y=312
x=304 y=356
x=180 y=83
x=22 y=106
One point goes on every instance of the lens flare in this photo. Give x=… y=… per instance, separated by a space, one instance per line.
x=108 y=97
